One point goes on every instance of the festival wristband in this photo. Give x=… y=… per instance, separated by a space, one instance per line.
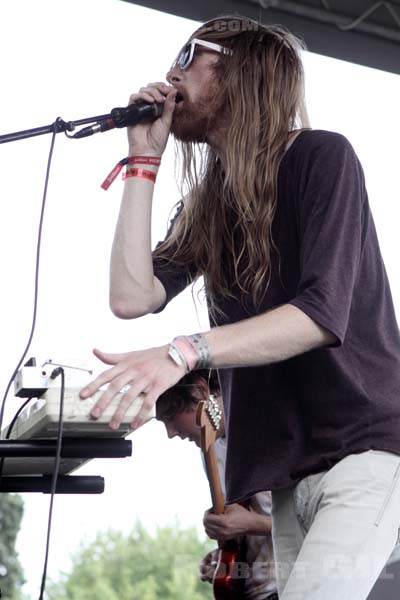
x=132 y=160
x=145 y=160
x=190 y=351
x=178 y=357
x=143 y=173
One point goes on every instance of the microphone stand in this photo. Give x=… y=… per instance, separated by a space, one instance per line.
x=119 y=117
x=60 y=127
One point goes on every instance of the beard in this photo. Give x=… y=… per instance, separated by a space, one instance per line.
x=194 y=121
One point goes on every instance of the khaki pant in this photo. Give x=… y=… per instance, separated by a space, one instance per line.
x=335 y=530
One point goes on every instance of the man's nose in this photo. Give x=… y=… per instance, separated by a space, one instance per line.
x=174 y=75
x=171 y=432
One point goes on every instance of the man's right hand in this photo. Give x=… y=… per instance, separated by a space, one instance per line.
x=207 y=566
x=151 y=138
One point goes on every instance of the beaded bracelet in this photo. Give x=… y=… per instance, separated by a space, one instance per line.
x=200 y=345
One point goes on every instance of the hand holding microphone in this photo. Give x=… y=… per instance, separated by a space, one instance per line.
x=151 y=138
x=150 y=111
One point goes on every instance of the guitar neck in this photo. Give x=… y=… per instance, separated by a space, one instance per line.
x=218 y=500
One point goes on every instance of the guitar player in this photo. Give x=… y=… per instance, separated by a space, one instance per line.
x=177 y=409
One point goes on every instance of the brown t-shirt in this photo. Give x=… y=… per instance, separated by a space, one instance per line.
x=300 y=416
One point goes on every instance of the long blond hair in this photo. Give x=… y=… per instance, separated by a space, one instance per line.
x=263 y=83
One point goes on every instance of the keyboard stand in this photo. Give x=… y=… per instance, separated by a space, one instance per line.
x=28 y=464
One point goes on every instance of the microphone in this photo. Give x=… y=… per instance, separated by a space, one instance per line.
x=139 y=112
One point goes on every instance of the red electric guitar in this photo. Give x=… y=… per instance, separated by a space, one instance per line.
x=226 y=583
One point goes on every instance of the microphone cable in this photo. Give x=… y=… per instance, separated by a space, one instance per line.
x=56 y=372
x=37 y=265
x=57 y=461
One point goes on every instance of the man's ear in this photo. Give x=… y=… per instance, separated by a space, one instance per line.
x=200 y=391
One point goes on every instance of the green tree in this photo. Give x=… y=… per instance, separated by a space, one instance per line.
x=136 y=566
x=11 y=574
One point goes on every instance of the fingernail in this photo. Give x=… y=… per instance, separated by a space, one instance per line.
x=83 y=392
x=114 y=424
x=95 y=413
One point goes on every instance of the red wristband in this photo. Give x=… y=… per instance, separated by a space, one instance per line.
x=144 y=173
x=132 y=160
x=145 y=160
x=113 y=175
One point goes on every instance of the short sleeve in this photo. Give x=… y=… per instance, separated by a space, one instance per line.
x=332 y=208
x=174 y=276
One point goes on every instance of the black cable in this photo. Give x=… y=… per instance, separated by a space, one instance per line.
x=56 y=372
x=35 y=298
x=9 y=430
x=14 y=420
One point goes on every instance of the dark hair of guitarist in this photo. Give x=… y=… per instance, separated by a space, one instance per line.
x=177 y=409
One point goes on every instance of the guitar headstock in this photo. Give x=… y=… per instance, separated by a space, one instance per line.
x=208 y=418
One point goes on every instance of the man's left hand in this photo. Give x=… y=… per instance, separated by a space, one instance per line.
x=235 y=521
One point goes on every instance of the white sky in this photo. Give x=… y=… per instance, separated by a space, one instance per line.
x=76 y=59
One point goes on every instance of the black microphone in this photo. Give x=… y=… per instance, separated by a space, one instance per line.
x=139 y=112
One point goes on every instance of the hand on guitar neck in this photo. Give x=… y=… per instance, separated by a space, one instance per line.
x=234 y=522
x=227 y=585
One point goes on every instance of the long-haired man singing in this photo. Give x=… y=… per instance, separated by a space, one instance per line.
x=275 y=217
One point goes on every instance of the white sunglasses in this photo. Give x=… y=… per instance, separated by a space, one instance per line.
x=185 y=56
